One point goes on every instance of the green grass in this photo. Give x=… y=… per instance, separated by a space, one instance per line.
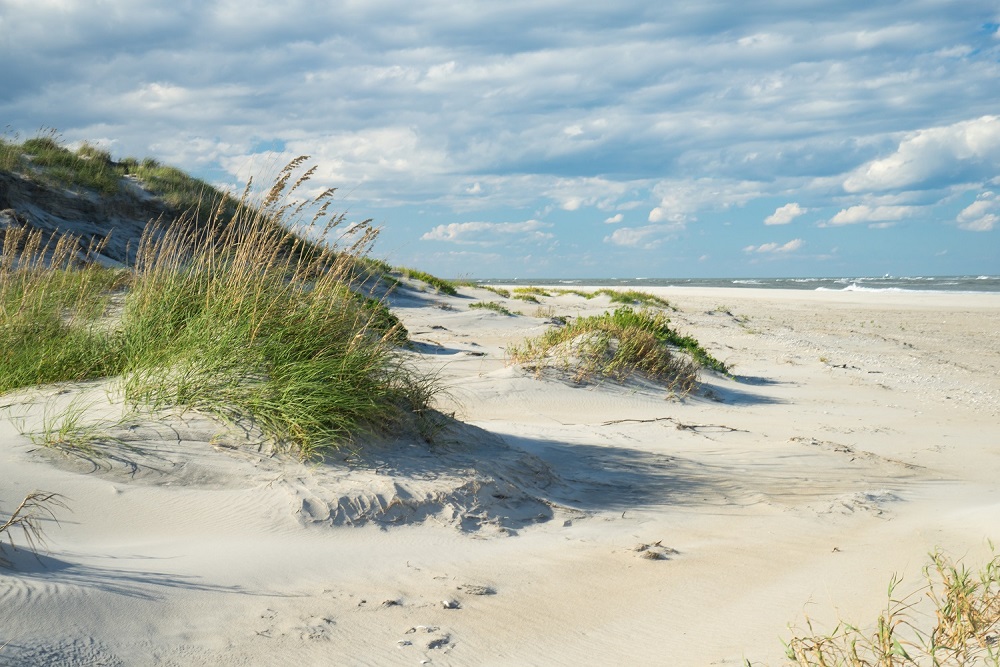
x=86 y=168
x=625 y=297
x=241 y=319
x=530 y=291
x=617 y=345
x=91 y=168
x=576 y=292
x=440 y=284
x=499 y=291
x=491 y=305
x=962 y=626
x=632 y=298
x=51 y=311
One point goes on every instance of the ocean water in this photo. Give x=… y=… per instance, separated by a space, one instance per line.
x=856 y=284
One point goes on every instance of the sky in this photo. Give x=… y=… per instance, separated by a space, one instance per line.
x=559 y=138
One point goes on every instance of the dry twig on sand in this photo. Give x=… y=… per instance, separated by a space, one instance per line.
x=36 y=507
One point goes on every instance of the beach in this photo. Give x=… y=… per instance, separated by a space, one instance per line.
x=545 y=522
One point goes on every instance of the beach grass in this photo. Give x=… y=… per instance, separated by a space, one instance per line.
x=238 y=317
x=961 y=628
x=617 y=345
x=51 y=309
x=530 y=291
x=492 y=305
x=90 y=168
x=27 y=519
x=499 y=291
x=633 y=298
x=440 y=285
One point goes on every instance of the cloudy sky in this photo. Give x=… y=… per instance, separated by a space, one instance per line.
x=560 y=138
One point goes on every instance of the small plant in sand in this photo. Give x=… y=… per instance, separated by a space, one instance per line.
x=492 y=305
x=27 y=519
x=617 y=345
x=962 y=628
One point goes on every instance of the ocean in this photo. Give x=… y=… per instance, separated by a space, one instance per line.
x=860 y=284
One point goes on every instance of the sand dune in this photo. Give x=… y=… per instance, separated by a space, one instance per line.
x=547 y=523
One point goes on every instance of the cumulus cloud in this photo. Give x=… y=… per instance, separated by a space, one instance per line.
x=981 y=215
x=615 y=219
x=873 y=214
x=489 y=233
x=775 y=248
x=681 y=200
x=646 y=238
x=936 y=156
x=785 y=214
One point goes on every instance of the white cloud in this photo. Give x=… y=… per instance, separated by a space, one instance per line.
x=982 y=215
x=785 y=214
x=489 y=233
x=615 y=219
x=646 y=238
x=937 y=156
x=865 y=213
x=682 y=200
x=775 y=248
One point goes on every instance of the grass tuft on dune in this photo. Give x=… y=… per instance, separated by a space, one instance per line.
x=619 y=344
x=238 y=317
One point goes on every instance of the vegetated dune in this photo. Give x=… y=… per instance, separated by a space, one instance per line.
x=529 y=519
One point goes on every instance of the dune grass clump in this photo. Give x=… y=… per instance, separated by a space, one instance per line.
x=531 y=289
x=964 y=628
x=27 y=518
x=44 y=158
x=617 y=345
x=247 y=321
x=499 y=291
x=88 y=167
x=52 y=306
x=576 y=292
x=492 y=305
x=239 y=317
x=439 y=284
x=632 y=298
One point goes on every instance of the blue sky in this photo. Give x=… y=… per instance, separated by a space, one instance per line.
x=560 y=138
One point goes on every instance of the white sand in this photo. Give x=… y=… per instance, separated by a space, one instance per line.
x=862 y=431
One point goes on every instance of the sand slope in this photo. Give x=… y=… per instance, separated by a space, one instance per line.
x=548 y=523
